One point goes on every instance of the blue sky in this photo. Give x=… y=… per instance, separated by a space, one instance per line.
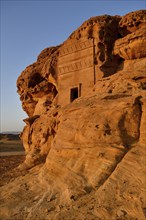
x=29 y=26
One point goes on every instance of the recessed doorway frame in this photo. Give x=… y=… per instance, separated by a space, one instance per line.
x=75 y=92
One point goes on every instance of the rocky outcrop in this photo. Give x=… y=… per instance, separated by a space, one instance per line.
x=38 y=83
x=132 y=22
x=33 y=87
x=132 y=46
x=85 y=159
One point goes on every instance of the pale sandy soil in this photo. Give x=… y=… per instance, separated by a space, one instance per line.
x=11 y=155
x=7 y=145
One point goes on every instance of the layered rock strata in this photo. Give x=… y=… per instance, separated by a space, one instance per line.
x=86 y=152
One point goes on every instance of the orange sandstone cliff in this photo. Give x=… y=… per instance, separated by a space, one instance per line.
x=84 y=137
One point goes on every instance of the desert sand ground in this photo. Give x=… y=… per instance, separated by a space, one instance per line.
x=11 y=155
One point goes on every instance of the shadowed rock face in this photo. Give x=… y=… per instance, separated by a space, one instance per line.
x=86 y=157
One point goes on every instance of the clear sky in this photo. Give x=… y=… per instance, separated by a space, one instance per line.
x=29 y=26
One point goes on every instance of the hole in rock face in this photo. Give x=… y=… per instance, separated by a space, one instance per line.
x=35 y=79
x=74 y=94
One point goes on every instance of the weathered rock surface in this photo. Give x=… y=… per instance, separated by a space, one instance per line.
x=132 y=22
x=132 y=46
x=33 y=87
x=85 y=159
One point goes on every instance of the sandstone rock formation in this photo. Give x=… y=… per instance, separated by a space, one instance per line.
x=85 y=135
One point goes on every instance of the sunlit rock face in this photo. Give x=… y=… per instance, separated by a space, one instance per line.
x=33 y=87
x=85 y=132
x=132 y=46
x=132 y=22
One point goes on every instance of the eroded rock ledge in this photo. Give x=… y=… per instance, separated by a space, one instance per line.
x=85 y=132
